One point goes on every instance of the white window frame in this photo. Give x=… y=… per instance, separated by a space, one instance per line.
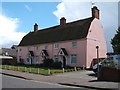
x=27 y=60
x=56 y=56
x=46 y=47
x=37 y=48
x=56 y=46
x=74 y=44
x=71 y=57
x=37 y=59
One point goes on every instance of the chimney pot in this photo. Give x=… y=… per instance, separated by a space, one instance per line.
x=62 y=21
x=95 y=12
x=35 y=27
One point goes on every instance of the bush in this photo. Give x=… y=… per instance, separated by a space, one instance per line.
x=51 y=64
x=20 y=64
x=69 y=67
x=48 y=62
x=78 y=69
x=57 y=64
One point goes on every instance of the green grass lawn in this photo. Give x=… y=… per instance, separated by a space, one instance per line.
x=43 y=71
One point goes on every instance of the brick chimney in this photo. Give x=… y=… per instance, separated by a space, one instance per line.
x=95 y=12
x=35 y=27
x=62 y=21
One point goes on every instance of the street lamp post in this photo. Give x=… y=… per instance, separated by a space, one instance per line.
x=97 y=47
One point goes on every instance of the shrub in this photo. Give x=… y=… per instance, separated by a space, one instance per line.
x=21 y=61
x=69 y=67
x=57 y=64
x=20 y=64
x=48 y=62
x=51 y=64
x=78 y=69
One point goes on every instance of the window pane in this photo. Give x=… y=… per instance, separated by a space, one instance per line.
x=56 y=46
x=74 y=44
x=73 y=59
x=37 y=59
x=46 y=47
x=27 y=59
x=55 y=58
x=37 y=48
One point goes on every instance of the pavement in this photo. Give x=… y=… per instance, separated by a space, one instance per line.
x=85 y=79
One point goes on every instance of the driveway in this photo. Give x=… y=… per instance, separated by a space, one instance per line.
x=87 y=79
x=86 y=75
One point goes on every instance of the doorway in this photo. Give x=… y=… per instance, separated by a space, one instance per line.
x=64 y=61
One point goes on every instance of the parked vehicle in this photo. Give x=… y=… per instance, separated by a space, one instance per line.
x=111 y=61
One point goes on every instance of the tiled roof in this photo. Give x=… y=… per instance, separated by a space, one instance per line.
x=11 y=52
x=69 y=31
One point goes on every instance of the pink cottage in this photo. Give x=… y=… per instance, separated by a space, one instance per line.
x=74 y=43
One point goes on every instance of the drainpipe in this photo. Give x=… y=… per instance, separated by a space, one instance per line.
x=97 y=47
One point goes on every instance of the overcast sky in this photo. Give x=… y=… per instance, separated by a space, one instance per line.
x=17 y=19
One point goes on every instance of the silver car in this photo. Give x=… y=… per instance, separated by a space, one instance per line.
x=111 y=61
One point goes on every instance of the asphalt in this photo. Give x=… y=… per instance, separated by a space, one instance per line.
x=85 y=79
x=11 y=82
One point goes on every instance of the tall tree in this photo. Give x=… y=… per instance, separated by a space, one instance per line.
x=116 y=42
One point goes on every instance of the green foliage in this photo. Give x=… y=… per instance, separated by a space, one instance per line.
x=69 y=67
x=57 y=64
x=20 y=64
x=21 y=61
x=116 y=42
x=33 y=69
x=51 y=64
x=48 y=62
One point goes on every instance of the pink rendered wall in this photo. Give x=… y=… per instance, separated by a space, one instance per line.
x=85 y=50
x=95 y=38
x=80 y=50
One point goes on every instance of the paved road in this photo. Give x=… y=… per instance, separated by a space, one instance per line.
x=80 y=79
x=13 y=82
